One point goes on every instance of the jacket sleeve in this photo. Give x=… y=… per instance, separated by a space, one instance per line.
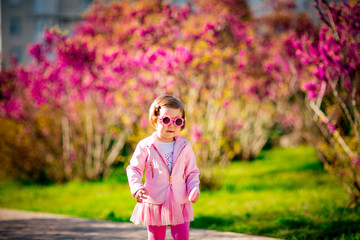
x=136 y=168
x=191 y=171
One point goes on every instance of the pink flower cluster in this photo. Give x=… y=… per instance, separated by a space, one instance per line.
x=312 y=89
x=336 y=53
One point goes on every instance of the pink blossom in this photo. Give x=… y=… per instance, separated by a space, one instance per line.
x=312 y=95
x=170 y=62
x=305 y=60
x=85 y=28
x=235 y=79
x=331 y=128
x=254 y=89
x=23 y=76
x=53 y=75
x=322 y=34
x=241 y=66
x=185 y=11
x=45 y=132
x=138 y=44
x=241 y=53
x=7 y=94
x=102 y=130
x=211 y=43
x=183 y=54
x=48 y=36
x=120 y=68
x=109 y=100
x=160 y=52
x=239 y=126
x=73 y=97
x=124 y=91
x=196 y=133
x=269 y=67
x=152 y=58
x=35 y=50
x=169 y=83
x=313 y=48
x=356 y=160
x=143 y=122
x=319 y=73
x=147 y=31
x=73 y=155
x=75 y=80
x=208 y=27
x=312 y=89
x=77 y=55
x=249 y=41
x=110 y=58
x=298 y=53
x=11 y=108
x=113 y=134
x=297 y=45
x=38 y=92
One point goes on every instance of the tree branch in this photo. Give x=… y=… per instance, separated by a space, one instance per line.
x=345 y=109
x=336 y=134
x=322 y=16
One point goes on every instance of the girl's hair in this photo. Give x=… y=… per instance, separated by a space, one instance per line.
x=165 y=101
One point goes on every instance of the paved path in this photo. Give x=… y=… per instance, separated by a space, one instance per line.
x=16 y=224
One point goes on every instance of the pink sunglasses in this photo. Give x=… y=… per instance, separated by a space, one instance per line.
x=166 y=121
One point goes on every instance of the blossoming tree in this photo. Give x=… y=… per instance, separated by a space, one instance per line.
x=334 y=89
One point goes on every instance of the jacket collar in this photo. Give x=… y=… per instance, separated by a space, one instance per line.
x=178 y=146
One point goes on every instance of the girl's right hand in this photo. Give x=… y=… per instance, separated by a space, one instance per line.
x=141 y=194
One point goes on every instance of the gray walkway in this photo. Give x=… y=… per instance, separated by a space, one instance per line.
x=16 y=224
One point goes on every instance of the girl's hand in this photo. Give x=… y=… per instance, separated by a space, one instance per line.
x=194 y=195
x=141 y=194
x=196 y=198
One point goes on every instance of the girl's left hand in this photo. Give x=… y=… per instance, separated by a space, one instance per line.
x=194 y=195
x=196 y=198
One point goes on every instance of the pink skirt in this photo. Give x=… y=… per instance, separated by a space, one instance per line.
x=159 y=215
x=168 y=213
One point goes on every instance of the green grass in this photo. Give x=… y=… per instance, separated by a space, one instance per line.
x=284 y=193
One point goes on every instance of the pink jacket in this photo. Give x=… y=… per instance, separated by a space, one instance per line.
x=184 y=176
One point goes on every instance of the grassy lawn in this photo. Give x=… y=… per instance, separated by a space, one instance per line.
x=285 y=193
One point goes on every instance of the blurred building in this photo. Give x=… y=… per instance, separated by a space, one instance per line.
x=23 y=22
x=257 y=7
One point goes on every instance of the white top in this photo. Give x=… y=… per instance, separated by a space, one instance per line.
x=166 y=150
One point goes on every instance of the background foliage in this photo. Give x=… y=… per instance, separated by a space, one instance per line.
x=84 y=97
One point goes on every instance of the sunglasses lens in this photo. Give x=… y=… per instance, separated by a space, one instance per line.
x=166 y=120
x=179 y=122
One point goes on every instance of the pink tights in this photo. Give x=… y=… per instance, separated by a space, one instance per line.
x=178 y=232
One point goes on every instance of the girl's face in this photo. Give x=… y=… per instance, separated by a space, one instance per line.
x=167 y=133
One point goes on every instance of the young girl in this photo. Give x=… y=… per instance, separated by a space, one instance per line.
x=171 y=175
